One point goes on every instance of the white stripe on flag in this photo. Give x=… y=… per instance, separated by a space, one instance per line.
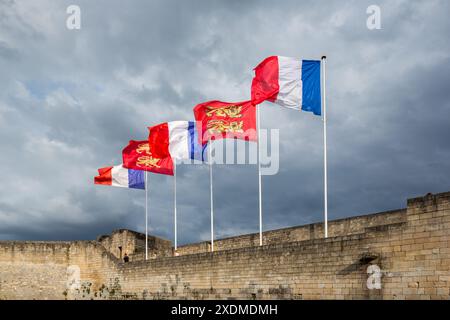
x=290 y=82
x=179 y=140
x=119 y=177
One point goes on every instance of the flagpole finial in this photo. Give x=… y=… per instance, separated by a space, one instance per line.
x=323 y=57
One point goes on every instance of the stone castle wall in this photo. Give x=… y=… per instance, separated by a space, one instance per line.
x=410 y=249
x=47 y=270
x=341 y=227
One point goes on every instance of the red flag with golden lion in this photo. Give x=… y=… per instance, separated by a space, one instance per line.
x=138 y=155
x=221 y=120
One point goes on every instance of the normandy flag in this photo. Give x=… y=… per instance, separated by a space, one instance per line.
x=221 y=120
x=289 y=82
x=139 y=155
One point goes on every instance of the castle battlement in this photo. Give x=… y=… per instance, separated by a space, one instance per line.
x=400 y=254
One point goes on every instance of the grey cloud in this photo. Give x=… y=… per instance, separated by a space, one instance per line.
x=71 y=100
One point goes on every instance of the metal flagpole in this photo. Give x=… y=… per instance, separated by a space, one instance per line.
x=175 y=201
x=258 y=121
x=146 y=216
x=211 y=193
x=325 y=184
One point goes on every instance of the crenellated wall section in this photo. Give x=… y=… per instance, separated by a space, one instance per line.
x=402 y=254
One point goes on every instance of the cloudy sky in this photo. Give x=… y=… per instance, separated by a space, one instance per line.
x=71 y=99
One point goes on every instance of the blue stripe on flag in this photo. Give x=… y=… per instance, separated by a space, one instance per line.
x=192 y=136
x=136 y=179
x=194 y=147
x=311 y=100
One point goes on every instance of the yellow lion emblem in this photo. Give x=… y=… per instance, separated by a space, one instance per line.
x=220 y=126
x=143 y=148
x=228 y=111
x=147 y=161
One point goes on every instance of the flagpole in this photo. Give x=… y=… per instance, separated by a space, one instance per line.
x=325 y=147
x=146 y=216
x=175 y=202
x=258 y=121
x=211 y=194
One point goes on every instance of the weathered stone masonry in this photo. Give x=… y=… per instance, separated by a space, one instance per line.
x=411 y=248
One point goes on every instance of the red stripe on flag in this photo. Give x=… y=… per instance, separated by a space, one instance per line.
x=265 y=84
x=158 y=139
x=104 y=176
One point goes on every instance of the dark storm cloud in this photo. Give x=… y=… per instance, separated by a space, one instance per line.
x=70 y=101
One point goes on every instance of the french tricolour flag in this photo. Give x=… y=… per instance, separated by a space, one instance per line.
x=118 y=176
x=289 y=82
x=179 y=138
